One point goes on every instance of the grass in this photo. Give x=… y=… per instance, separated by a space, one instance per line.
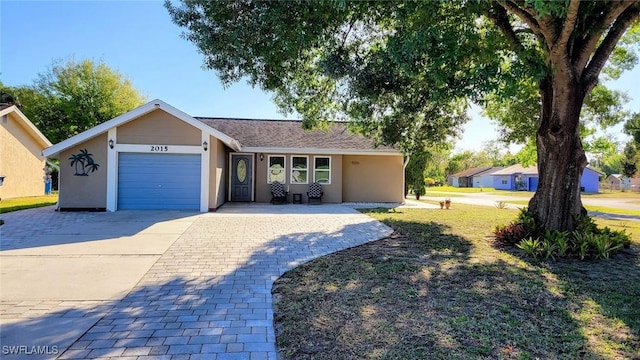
x=613 y=194
x=437 y=289
x=8 y=205
x=601 y=209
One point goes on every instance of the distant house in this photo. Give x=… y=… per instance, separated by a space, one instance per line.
x=635 y=183
x=474 y=177
x=465 y=178
x=21 y=160
x=618 y=182
x=484 y=179
x=590 y=181
x=517 y=177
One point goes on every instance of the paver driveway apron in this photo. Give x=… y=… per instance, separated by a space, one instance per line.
x=209 y=294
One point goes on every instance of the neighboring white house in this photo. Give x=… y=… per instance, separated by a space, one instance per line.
x=477 y=177
x=618 y=182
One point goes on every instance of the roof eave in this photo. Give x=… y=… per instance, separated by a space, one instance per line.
x=142 y=110
x=37 y=134
x=320 y=151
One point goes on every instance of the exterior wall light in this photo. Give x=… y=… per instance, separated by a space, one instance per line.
x=205 y=145
x=110 y=143
x=261 y=156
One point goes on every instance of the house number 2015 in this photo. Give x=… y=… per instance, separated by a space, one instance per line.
x=157 y=148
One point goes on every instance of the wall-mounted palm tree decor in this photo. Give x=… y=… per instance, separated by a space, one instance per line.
x=83 y=163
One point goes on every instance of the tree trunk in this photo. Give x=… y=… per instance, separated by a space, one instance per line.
x=561 y=158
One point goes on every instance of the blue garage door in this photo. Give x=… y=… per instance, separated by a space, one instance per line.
x=533 y=183
x=159 y=181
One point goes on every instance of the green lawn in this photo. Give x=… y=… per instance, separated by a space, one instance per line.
x=8 y=205
x=613 y=194
x=437 y=289
x=602 y=209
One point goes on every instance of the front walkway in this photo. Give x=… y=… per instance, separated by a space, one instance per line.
x=208 y=295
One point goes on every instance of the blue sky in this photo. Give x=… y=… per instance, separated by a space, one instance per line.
x=138 y=39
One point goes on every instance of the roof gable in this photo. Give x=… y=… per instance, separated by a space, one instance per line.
x=132 y=115
x=472 y=171
x=600 y=173
x=15 y=113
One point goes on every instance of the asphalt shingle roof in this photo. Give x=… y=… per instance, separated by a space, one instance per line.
x=472 y=171
x=288 y=134
x=518 y=169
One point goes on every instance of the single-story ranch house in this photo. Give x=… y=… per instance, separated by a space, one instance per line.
x=21 y=161
x=478 y=177
x=158 y=157
x=517 y=177
x=618 y=182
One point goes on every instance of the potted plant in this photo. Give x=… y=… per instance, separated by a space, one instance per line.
x=447 y=203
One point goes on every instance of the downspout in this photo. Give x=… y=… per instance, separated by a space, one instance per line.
x=404 y=177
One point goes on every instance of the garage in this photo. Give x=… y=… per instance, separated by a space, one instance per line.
x=159 y=181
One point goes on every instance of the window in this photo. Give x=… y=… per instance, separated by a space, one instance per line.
x=504 y=180
x=299 y=169
x=276 y=169
x=322 y=169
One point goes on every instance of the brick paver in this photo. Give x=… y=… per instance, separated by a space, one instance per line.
x=209 y=294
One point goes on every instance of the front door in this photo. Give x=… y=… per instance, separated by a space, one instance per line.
x=241 y=177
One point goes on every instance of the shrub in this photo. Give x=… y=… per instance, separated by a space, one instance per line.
x=587 y=241
x=530 y=246
x=509 y=235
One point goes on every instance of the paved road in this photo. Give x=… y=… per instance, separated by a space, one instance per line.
x=490 y=199
x=158 y=285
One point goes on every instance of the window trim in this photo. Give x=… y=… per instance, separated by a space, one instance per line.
x=284 y=168
x=291 y=181
x=329 y=171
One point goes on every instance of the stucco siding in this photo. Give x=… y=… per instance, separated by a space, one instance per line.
x=332 y=193
x=484 y=181
x=217 y=173
x=21 y=161
x=84 y=192
x=372 y=178
x=497 y=182
x=590 y=180
x=161 y=128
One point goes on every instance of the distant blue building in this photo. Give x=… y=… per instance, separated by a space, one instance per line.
x=517 y=177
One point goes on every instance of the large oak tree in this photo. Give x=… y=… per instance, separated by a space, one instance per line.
x=403 y=72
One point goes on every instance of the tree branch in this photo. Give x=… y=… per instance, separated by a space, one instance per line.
x=524 y=16
x=500 y=18
x=605 y=21
x=569 y=23
x=602 y=53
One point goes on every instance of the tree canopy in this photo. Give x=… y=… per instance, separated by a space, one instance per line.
x=73 y=96
x=404 y=72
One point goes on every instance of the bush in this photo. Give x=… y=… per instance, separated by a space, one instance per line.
x=509 y=235
x=587 y=241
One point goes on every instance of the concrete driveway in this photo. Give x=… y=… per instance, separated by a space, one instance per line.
x=147 y=284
